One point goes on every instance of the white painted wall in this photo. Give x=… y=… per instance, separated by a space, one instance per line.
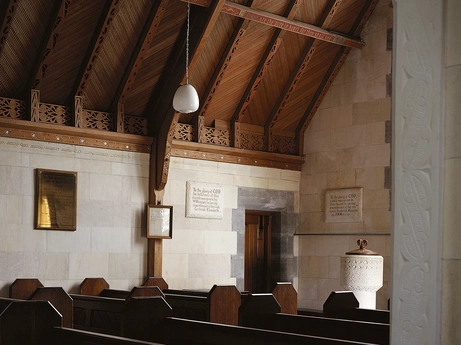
x=108 y=242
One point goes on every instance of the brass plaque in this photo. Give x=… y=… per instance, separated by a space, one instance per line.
x=56 y=200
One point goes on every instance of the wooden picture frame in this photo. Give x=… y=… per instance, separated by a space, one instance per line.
x=56 y=200
x=159 y=221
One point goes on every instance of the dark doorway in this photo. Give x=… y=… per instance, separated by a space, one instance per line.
x=257 y=275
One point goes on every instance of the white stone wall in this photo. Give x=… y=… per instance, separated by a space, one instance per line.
x=451 y=254
x=346 y=146
x=199 y=254
x=109 y=241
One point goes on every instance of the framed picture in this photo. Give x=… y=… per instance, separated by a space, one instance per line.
x=56 y=200
x=159 y=221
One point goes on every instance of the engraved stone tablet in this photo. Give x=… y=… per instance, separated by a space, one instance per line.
x=204 y=200
x=343 y=205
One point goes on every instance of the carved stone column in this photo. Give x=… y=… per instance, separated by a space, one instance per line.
x=418 y=94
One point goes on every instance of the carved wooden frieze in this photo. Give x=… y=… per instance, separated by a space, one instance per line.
x=12 y=108
x=135 y=125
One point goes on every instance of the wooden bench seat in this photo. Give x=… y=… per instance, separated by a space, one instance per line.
x=262 y=311
x=138 y=317
x=191 y=332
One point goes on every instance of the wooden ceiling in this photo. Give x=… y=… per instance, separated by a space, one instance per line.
x=103 y=73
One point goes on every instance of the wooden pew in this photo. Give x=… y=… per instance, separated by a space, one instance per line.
x=27 y=322
x=33 y=289
x=23 y=288
x=137 y=317
x=343 y=304
x=68 y=336
x=287 y=297
x=192 y=332
x=263 y=312
x=219 y=305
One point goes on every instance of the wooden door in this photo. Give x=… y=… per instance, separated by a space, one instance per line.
x=257 y=251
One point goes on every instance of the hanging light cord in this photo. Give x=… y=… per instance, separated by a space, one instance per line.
x=187 y=43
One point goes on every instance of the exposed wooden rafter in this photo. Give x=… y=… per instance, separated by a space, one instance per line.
x=108 y=14
x=330 y=75
x=51 y=38
x=149 y=30
x=260 y=71
x=171 y=80
x=286 y=24
x=7 y=10
x=220 y=69
x=297 y=73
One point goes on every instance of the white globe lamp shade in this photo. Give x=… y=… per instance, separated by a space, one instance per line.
x=185 y=99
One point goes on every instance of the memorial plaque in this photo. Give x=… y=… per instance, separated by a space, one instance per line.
x=204 y=200
x=343 y=205
x=159 y=221
x=56 y=200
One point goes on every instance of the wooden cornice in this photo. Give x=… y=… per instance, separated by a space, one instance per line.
x=21 y=129
x=55 y=22
x=262 y=66
x=297 y=73
x=7 y=10
x=108 y=14
x=216 y=153
x=286 y=24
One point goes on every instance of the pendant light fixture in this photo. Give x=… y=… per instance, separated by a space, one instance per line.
x=185 y=99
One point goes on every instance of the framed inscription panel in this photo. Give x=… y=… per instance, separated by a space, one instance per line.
x=56 y=200
x=343 y=205
x=159 y=221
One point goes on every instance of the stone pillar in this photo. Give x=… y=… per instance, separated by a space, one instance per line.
x=417 y=163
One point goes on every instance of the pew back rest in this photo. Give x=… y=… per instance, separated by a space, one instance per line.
x=23 y=288
x=156 y=281
x=257 y=310
x=93 y=286
x=286 y=295
x=28 y=322
x=60 y=299
x=98 y=314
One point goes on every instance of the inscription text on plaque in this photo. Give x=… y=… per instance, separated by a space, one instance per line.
x=204 y=200
x=343 y=205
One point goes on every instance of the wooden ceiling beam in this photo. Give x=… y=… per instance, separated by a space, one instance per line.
x=108 y=14
x=7 y=11
x=149 y=30
x=55 y=24
x=297 y=73
x=263 y=65
x=283 y=23
x=331 y=74
x=220 y=70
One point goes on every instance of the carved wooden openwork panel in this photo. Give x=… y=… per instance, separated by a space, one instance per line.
x=252 y=141
x=97 y=120
x=135 y=125
x=12 y=108
x=184 y=132
x=217 y=136
x=56 y=114
x=284 y=145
